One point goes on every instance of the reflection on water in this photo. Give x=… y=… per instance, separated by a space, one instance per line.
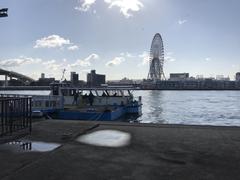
x=29 y=146
x=107 y=138
x=191 y=107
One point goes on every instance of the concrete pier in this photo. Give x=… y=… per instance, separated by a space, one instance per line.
x=155 y=152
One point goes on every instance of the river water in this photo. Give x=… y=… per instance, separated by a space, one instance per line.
x=184 y=107
x=191 y=107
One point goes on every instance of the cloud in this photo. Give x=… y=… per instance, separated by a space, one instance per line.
x=73 y=48
x=57 y=66
x=127 y=54
x=53 y=65
x=85 y=62
x=208 y=59
x=115 y=62
x=181 y=22
x=125 y=6
x=86 y=5
x=145 y=58
x=51 y=41
x=22 y=60
x=169 y=57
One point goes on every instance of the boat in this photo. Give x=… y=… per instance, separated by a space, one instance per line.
x=108 y=103
x=75 y=103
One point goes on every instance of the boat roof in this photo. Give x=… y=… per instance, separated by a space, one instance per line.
x=101 y=88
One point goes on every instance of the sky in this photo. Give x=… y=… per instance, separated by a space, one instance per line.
x=200 y=37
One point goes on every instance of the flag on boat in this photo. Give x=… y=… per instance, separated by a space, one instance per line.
x=3 y=12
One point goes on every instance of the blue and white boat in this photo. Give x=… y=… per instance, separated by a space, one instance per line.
x=98 y=104
x=108 y=103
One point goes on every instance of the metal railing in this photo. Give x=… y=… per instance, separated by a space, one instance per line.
x=16 y=115
x=41 y=102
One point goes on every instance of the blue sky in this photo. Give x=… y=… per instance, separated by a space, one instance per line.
x=114 y=36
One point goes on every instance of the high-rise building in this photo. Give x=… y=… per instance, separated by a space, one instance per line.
x=95 y=80
x=74 y=78
x=42 y=75
x=238 y=76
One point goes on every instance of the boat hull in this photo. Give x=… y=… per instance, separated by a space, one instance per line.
x=92 y=116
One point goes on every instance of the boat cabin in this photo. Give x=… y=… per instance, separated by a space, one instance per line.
x=93 y=96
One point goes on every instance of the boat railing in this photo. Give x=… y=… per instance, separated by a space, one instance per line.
x=40 y=102
x=47 y=102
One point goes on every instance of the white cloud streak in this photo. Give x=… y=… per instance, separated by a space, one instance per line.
x=126 y=6
x=85 y=62
x=53 y=65
x=73 y=48
x=145 y=58
x=115 y=62
x=181 y=22
x=51 y=41
x=22 y=60
x=86 y=5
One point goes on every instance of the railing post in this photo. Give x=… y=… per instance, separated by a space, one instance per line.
x=30 y=114
x=2 y=117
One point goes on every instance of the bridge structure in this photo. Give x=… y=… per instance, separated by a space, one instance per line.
x=11 y=74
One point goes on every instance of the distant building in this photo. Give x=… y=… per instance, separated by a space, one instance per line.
x=238 y=76
x=15 y=82
x=199 y=77
x=95 y=80
x=222 y=78
x=43 y=81
x=42 y=76
x=179 y=76
x=126 y=81
x=74 y=78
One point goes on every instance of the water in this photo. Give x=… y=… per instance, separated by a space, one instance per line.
x=29 y=146
x=191 y=107
x=220 y=108
x=107 y=138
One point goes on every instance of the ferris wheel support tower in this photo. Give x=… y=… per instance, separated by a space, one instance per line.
x=156 y=59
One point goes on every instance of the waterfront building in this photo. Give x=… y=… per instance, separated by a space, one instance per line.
x=95 y=80
x=42 y=75
x=43 y=81
x=222 y=78
x=238 y=76
x=74 y=78
x=178 y=76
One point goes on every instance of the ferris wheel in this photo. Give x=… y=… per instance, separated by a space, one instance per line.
x=156 y=59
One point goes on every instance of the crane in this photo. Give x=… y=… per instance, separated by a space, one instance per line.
x=63 y=74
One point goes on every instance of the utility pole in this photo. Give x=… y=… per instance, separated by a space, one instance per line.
x=4 y=12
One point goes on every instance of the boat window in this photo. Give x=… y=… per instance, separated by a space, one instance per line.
x=64 y=92
x=38 y=103
x=47 y=103
x=54 y=103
